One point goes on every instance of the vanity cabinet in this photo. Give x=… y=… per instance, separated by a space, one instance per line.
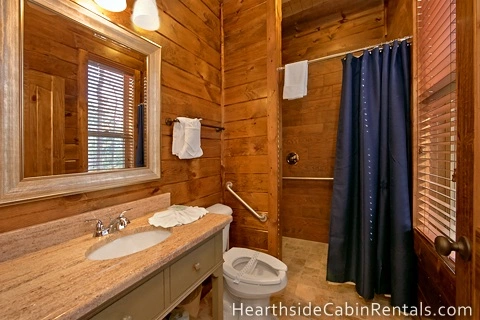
x=166 y=288
x=191 y=269
x=144 y=302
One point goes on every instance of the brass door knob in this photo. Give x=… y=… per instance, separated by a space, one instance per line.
x=444 y=247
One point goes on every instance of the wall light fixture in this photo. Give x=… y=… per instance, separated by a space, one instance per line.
x=145 y=12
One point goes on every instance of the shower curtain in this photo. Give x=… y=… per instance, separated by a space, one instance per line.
x=371 y=235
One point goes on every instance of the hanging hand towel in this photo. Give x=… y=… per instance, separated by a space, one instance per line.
x=296 y=79
x=186 y=138
x=177 y=215
x=178 y=136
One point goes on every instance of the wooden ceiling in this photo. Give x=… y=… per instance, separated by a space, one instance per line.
x=300 y=11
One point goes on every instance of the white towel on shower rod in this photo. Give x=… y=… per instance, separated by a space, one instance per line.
x=296 y=80
x=186 y=138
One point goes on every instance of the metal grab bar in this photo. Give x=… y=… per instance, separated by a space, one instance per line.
x=262 y=217
x=305 y=178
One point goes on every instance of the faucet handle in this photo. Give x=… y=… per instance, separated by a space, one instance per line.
x=123 y=220
x=99 y=229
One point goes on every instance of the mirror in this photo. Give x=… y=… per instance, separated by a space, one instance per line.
x=56 y=131
x=82 y=98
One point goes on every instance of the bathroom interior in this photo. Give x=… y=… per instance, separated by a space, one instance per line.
x=219 y=61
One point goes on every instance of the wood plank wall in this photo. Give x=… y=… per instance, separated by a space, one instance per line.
x=191 y=84
x=399 y=19
x=310 y=124
x=245 y=117
x=252 y=54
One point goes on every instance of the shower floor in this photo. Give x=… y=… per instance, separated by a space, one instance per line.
x=307 y=287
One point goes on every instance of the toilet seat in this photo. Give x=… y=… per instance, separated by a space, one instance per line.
x=234 y=256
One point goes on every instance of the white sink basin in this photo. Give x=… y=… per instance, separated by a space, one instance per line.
x=128 y=244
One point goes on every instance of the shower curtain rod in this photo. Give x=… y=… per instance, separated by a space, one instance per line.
x=352 y=51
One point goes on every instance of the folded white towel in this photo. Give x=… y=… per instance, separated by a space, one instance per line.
x=296 y=80
x=186 y=138
x=177 y=215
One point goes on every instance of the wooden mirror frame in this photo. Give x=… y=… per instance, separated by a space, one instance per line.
x=13 y=187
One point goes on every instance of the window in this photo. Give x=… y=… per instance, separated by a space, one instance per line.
x=110 y=117
x=436 y=123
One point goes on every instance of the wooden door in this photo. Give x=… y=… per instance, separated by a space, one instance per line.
x=440 y=286
x=468 y=191
x=43 y=124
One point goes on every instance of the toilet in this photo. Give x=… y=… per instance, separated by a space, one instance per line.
x=250 y=277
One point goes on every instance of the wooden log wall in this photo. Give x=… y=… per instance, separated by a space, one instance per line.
x=245 y=117
x=309 y=125
x=399 y=19
x=191 y=85
x=251 y=116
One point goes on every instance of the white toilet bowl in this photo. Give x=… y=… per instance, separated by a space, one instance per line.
x=267 y=277
x=250 y=277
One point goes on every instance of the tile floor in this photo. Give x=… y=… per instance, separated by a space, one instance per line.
x=306 y=261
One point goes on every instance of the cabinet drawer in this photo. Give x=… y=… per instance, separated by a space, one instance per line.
x=189 y=269
x=144 y=302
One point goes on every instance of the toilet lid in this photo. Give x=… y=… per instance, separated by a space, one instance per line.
x=269 y=270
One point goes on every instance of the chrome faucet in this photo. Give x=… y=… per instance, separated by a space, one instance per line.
x=99 y=228
x=116 y=224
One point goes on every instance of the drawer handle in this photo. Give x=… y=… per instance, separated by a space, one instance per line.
x=127 y=317
x=197 y=266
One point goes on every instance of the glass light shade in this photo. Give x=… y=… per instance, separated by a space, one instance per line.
x=145 y=15
x=112 y=5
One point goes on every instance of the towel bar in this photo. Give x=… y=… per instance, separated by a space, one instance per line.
x=170 y=121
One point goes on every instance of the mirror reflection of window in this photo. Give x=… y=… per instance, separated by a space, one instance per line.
x=60 y=136
x=111 y=94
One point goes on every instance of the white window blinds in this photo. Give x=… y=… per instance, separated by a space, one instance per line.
x=436 y=117
x=110 y=117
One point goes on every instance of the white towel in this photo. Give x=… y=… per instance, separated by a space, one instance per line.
x=186 y=138
x=177 y=215
x=296 y=80
x=178 y=137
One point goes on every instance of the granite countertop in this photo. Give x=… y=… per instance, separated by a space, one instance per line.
x=59 y=282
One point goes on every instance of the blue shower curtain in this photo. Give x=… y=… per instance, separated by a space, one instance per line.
x=371 y=235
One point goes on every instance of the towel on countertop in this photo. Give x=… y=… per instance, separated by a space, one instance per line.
x=296 y=80
x=177 y=215
x=186 y=138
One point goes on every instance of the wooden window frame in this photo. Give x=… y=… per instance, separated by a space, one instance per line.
x=138 y=97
